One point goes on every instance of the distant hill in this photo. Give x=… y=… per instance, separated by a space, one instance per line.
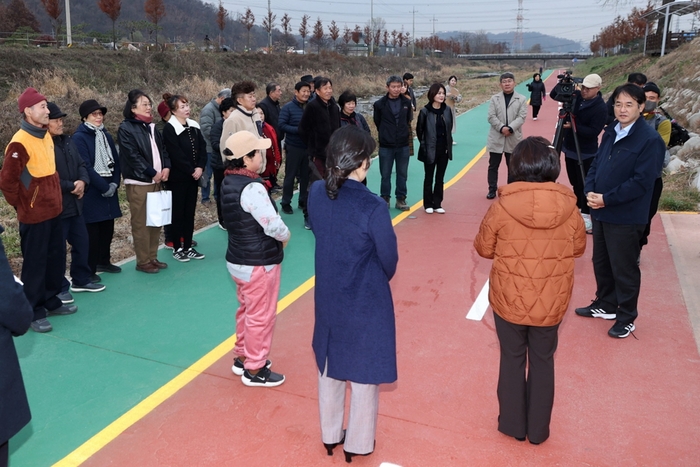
x=548 y=43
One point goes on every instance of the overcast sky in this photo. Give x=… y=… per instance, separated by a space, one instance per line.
x=578 y=21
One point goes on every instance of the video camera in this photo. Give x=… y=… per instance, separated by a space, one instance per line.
x=564 y=90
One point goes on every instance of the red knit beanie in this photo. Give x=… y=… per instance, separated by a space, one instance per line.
x=29 y=97
x=163 y=109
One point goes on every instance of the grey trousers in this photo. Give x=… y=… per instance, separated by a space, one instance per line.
x=362 y=417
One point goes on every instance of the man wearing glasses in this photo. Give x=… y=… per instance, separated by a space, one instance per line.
x=507 y=112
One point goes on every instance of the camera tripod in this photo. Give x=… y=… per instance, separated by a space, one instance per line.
x=564 y=113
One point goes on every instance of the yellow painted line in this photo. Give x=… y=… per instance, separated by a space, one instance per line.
x=143 y=408
x=679 y=212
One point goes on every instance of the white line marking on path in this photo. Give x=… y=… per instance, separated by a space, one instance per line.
x=480 y=305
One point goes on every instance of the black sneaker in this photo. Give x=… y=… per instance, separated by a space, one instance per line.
x=238 y=369
x=180 y=255
x=621 y=330
x=491 y=195
x=595 y=310
x=111 y=268
x=89 y=287
x=307 y=226
x=194 y=254
x=287 y=209
x=264 y=378
x=63 y=310
x=66 y=298
x=41 y=325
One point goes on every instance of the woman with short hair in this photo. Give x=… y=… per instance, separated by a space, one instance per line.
x=101 y=201
x=188 y=155
x=538 y=94
x=347 y=103
x=452 y=98
x=145 y=166
x=435 y=139
x=354 y=331
x=532 y=232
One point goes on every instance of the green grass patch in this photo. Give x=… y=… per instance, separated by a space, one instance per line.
x=678 y=195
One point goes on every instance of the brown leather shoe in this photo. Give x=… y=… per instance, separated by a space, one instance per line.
x=159 y=264
x=148 y=268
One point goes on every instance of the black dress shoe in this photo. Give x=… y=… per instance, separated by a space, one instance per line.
x=330 y=447
x=287 y=209
x=491 y=195
x=95 y=279
x=111 y=268
x=350 y=455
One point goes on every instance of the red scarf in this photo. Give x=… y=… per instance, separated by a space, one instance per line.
x=144 y=119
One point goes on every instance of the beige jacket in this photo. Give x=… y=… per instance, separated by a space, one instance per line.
x=498 y=118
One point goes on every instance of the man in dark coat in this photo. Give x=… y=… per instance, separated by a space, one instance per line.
x=392 y=117
x=74 y=181
x=15 y=317
x=271 y=106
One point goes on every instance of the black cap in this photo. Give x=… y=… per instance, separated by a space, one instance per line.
x=307 y=79
x=653 y=88
x=89 y=106
x=54 y=111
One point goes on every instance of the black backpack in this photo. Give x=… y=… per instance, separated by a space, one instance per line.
x=679 y=135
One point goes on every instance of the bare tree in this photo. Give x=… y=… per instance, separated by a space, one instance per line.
x=112 y=8
x=268 y=24
x=53 y=9
x=155 y=11
x=221 y=17
x=304 y=31
x=394 y=37
x=319 y=35
x=248 y=21
x=333 y=32
x=347 y=35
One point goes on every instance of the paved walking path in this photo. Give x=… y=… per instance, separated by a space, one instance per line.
x=141 y=374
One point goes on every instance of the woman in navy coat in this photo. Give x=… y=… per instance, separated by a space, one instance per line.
x=101 y=202
x=15 y=316
x=356 y=255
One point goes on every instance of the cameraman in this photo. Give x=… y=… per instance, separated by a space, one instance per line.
x=590 y=113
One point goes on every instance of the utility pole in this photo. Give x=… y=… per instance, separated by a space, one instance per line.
x=371 y=28
x=518 y=40
x=69 y=35
x=269 y=32
x=433 y=41
x=413 y=44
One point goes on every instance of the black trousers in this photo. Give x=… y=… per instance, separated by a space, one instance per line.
x=100 y=235
x=655 y=197
x=535 y=111
x=525 y=399
x=75 y=233
x=577 y=183
x=184 y=205
x=494 y=163
x=433 y=194
x=296 y=166
x=44 y=264
x=218 y=179
x=617 y=276
x=5 y=454
x=314 y=176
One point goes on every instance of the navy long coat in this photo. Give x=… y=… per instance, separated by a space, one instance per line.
x=356 y=257
x=15 y=316
x=97 y=208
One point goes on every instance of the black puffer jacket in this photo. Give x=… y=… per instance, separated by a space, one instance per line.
x=135 y=155
x=393 y=132
x=319 y=121
x=537 y=92
x=247 y=242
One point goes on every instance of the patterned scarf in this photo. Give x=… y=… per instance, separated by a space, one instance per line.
x=103 y=153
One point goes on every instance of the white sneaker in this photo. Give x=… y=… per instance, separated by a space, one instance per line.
x=587 y=222
x=440 y=211
x=428 y=210
x=535 y=118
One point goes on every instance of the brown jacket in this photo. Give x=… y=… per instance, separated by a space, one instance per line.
x=533 y=232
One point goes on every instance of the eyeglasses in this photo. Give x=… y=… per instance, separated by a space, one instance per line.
x=626 y=105
x=97 y=113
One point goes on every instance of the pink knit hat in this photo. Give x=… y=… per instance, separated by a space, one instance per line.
x=29 y=97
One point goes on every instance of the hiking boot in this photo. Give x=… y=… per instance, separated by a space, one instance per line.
x=194 y=254
x=621 y=330
x=238 y=369
x=65 y=297
x=89 y=287
x=180 y=255
x=595 y=310
x=264 y=378
x=401 y=204
x=41 y=325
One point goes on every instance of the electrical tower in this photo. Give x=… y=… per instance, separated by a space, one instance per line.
x=518 y=39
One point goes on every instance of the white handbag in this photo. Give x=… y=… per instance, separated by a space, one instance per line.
x=159 y=208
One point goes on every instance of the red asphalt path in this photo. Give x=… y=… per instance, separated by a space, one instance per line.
x=618 y=402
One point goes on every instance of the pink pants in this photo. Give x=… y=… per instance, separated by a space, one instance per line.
x=255 y=318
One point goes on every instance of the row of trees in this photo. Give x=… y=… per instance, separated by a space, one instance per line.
x=622 y=33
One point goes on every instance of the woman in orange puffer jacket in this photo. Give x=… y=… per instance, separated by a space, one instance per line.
x=533 y=233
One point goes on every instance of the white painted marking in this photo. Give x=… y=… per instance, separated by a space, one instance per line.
x=480 y=304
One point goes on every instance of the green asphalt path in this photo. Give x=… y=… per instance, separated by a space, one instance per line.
x=143 y=330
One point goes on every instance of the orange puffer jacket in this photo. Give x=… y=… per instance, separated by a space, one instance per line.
x=532 y=232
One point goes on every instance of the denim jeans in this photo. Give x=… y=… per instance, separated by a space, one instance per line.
x=387 y=156
x=206 y=190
